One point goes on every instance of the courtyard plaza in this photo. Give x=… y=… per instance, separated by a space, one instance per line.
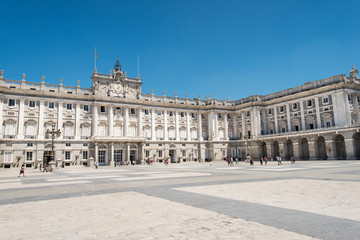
x=305 y=200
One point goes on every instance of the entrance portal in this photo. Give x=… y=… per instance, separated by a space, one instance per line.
x=304 y=149
x=172 y=156
x=46 y=157
x=321 y=148
x=102 y=157
x=132 y=156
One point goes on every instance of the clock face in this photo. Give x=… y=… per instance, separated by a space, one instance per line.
x=117 y=87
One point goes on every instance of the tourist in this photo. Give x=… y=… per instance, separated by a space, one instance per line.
x=278 y=160
x=261 y=161
x=236 y=160
x=210 y=162
x=96 y=165
x=265 y=160
x=22 y=171
x=292 y=159
x=251 y=162
x=40 y=165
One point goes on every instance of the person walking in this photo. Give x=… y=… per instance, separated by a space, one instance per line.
x=265 y=160
x=251 y=162
x=22 y=171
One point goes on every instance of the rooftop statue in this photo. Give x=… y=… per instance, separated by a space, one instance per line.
x=354 y=72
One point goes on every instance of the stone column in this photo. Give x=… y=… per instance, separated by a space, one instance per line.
x=226 y=127
x=140 y=125
x=318 y=118
x=243 y=124
x=235 y=133
x=330 y=149
x=276 y=120
x=128 y=152
x=41 y=120
x=111 y=121
x=141 y=153
x=216 y=123
x=60 y=123
x=288 y=117
x=77 y=121
x=94 y=121
x=356 y=110
x=264 y=126
x=303 y=123
x=112 y=155
x=341 y=108
x=282 y=150
x=153 y=134
x=255 y=122
x=296 y=150
x=126 y=121
x=312 y=152
x=165 y=126
x=96 y=157
x=188 y=126
x=210 y=128
x=269 y=150
x=21 y=120
x=349 y=147
x=200 y=138
x=177 y=126
x=1 y=118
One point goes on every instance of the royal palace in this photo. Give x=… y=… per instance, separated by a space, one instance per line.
x=113 y=122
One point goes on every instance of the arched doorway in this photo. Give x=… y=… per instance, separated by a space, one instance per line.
x=289 y=149
x=172 y=153
x=133 y=154
x=340 y=147
x=276 y=149
x=47 y=154
x=304 y=153
x=263 y=149
x=356 y=138
x=321 y=148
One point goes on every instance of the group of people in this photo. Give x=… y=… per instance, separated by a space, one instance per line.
x=230 y=161
x=264 y=160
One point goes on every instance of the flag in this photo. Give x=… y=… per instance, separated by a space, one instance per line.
x=95 y=54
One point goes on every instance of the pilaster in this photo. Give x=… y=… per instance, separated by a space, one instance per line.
x=318 y=118
x=140 y=123
x=177 y=126
x=303 y=124
x=21 y=120
x=165 y=126
x=41 y=120
x=199 y=127
x=226 y=126
x=126 y=121
x=235 y=133
x=288 y=118
x=153 y=134
x=188 y=134
x=276 y=120
x=111 y=122
x=77 y=121
x=243 y=124
x=112 y=154
x=94 y=120
x=1 y=117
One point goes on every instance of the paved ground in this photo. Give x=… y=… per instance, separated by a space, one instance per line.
x=306 y=200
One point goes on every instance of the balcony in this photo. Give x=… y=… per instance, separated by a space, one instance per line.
x=9 y=136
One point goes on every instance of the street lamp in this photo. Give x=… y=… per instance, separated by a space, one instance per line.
x=53 y=133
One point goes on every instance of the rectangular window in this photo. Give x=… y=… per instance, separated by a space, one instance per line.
x=160 y=153
x=281 y=109
x=248 y=114
x=31 y=104
x=158 y=113
x=8 y=157
x=29 y=144
x=86 y=108
x=51 y=105
x=29 y=156
x=147 y=153
x=325 y=100
x=146 y=112
x=184 y=153
x=102 y=109
x=328 y=124
x=132 y=111
x=171 y=113
x=193 y=115
x=69 y=106
x=85 y=155
x=311 y=126
x=296 y=128
x=202 y=116
x=67 y=155
x=229 y=116
x=11 y=102
x=67 y=144
x=85 y=144
x=182 y=114
x=219 y=116
x=269 y=111
x=309 y=103
x=294 y=106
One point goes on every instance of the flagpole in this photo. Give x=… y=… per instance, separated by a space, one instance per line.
x=95 y=58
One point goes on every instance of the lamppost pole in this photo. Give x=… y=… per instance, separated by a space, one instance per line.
x=53 y=133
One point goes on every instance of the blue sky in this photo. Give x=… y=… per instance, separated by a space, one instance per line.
x=223 y=48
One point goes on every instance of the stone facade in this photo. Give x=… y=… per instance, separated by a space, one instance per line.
x=114 y=121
